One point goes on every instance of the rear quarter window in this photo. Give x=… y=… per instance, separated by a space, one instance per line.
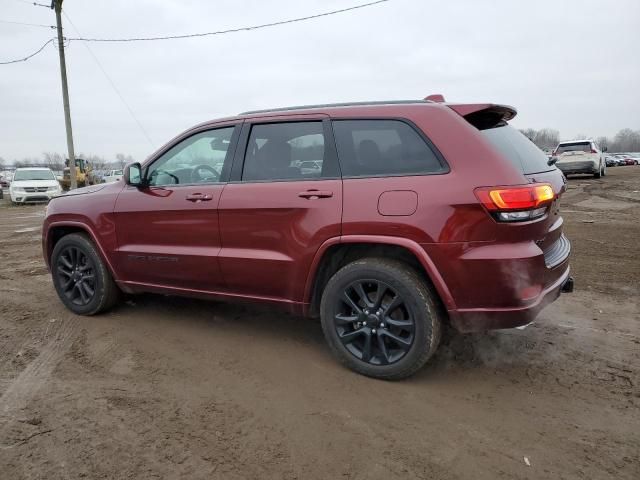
x=383 y=147
x=518 y=149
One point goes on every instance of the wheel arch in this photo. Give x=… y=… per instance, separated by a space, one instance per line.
x=56 y=231
x=337 y=252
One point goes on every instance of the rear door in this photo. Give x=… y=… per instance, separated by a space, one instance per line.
x=167 y=231
x=276 y=212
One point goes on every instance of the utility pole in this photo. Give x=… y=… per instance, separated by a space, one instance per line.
x=57 y=6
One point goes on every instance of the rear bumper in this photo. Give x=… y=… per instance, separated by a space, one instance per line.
x=480 y=319
x=584 y=166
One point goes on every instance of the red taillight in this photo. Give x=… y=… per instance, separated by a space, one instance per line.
x=518 y=203
x=593 y=150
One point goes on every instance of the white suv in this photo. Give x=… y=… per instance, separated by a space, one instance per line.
x=580 y=156
x=33 y=185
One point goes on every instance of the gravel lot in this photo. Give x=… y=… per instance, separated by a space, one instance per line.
x=175 y=388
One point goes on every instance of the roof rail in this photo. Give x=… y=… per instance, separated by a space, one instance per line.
x=332 y=105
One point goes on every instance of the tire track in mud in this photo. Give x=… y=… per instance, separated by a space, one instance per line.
x=34 y=377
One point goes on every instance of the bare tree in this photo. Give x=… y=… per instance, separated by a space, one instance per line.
x=53 y=160
x=124 y=159
x=603 y=143
x=545 y=139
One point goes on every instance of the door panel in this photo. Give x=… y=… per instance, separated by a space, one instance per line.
x=270 y=232
x=168 y=230
x=169 y=236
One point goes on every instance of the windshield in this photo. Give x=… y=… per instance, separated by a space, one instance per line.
x=33 y=175
x=117 y=172
x=574 y=147
x=518 y=149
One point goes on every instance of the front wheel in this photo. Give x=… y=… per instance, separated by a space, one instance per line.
x=82 y=281
x=380 y=318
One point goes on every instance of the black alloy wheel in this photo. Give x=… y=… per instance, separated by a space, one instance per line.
x=76 y=275
x=381 y=318
x=373 y=322
x=81 y=278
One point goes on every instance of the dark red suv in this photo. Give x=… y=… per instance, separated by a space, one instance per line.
x=386 y=219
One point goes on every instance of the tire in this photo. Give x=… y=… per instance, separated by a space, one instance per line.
x=598 y=174
x=401 y=339
x=77 y=270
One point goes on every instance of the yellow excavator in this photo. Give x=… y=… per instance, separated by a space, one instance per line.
x=84 y=174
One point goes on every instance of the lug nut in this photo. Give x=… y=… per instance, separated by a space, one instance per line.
x=382 y=325
x=364 y=323
x=373 y=330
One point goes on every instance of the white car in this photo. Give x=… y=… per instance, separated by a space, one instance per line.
x=580 y=156
x=112 y=176
x=33 y=185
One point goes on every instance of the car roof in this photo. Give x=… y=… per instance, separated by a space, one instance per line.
x=323 y=106
x=589 y=140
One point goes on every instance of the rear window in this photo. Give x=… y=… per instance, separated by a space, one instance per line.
x=383 y=147
x=518 y=149
x=573 y=147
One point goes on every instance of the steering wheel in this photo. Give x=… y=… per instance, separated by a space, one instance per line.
x=204 y=173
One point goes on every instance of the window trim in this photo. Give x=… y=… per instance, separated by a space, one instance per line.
x=446 y=169
x=226 y=167
x=331 y=154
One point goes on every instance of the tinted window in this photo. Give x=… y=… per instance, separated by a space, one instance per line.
x=286 y=151
x=382 y=147
x=518 y=149
x=197 y=159
x=33 y=175
x=574 y=147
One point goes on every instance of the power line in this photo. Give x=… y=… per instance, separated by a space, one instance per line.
x=113 y=85
x=28 y=24
x=192 y=35
x=35 y=3
x=30 y=55
x=232 y=30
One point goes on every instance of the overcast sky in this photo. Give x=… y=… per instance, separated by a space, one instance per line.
x=569 y=65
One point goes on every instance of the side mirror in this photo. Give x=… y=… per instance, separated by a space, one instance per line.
x=133 y=175
x=604 y=149
x=552 y=161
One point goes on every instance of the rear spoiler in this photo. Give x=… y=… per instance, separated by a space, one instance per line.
x=484 y=116
x=480 y=115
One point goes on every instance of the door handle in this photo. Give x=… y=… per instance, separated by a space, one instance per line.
x=199 y=197
x=314 y=194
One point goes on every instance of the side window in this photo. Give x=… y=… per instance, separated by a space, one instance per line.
x=197 y=159
x=286 y=151
x=382 y=147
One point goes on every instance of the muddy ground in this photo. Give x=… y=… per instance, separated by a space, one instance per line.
x=176 y=388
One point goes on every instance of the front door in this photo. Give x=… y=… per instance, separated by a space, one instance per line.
x=167 y=231
x=284 y=201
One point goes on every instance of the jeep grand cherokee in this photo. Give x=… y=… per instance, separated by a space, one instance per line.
x=419 y=214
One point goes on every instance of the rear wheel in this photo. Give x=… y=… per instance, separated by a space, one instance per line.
x=380 y=318
x=598 y=174
x=80 y=277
